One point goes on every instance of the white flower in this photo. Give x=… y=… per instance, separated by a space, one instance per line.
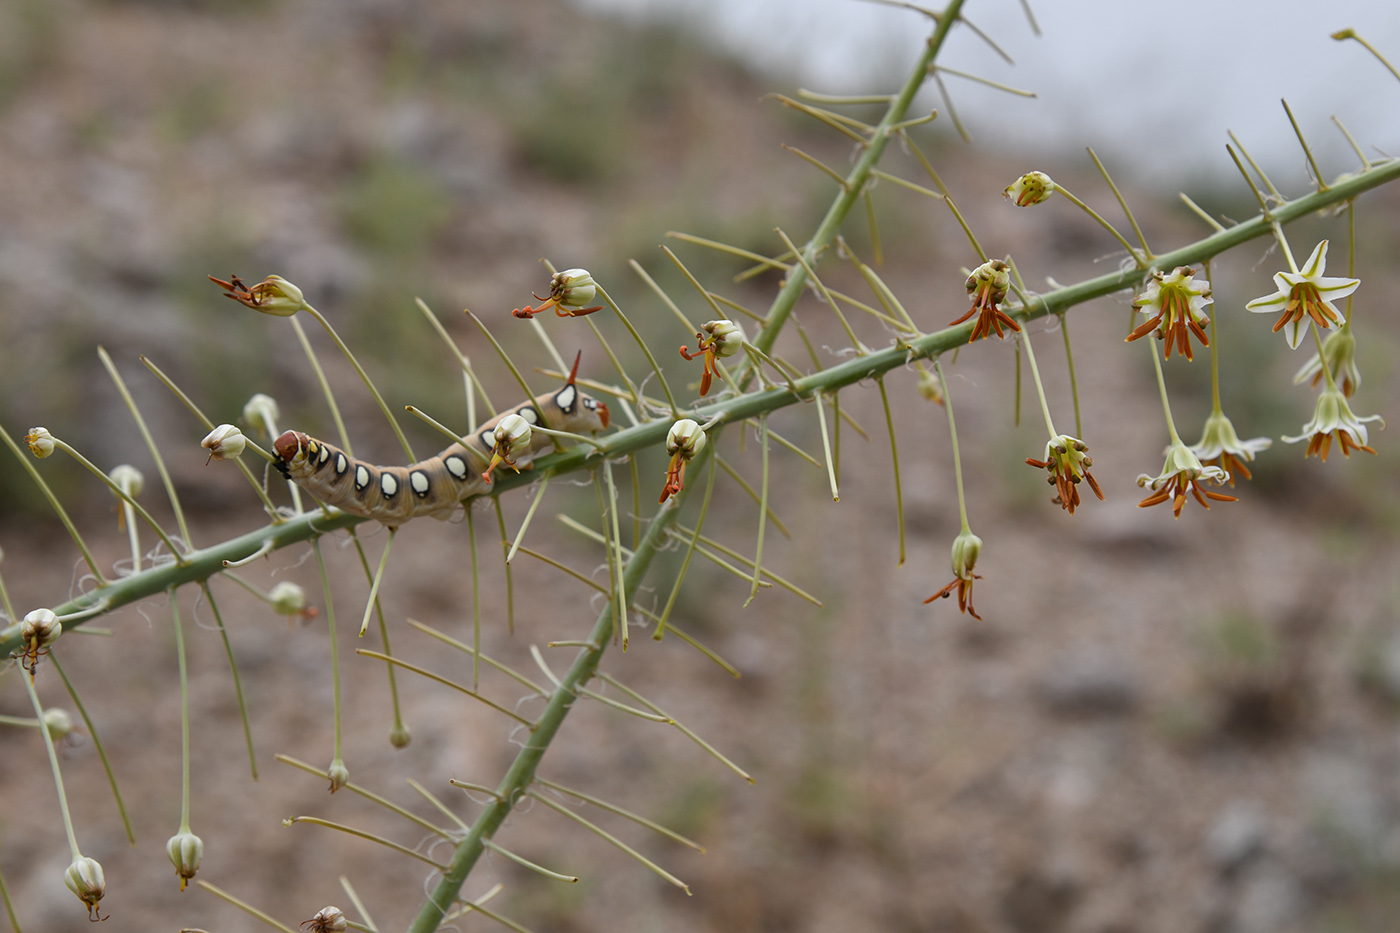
x=1333 y=416
x=224 y=442
x=1030 y=188
x=40 y=442
x=1183 y=472
x=684 y=442
x=1176 y=304
x=1219 y=441
x=1304 y=297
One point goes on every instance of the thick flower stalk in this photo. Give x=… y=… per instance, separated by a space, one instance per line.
x=1067 y=461
x=1183 y=472
x=1221 y=446
x=1304 y=297
x=988 y=285
x=1174 y=303
x=1333 y=418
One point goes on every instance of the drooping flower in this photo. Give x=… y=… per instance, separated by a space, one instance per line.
x=967 y=547
x=1030 y=188
x=569 y=292
x=223 y=442
x=512 y=436
x=84 y=878
x=717 y=339
x=684 y=441
x=1183 y=473
x=38 y=631
x=1175 y=302
x=1333 y=417
x=1220 y=445
x=185 y=851
x=1304 y=297
x=988 y=285
x=1339 y=350
x=1068 y=462
x=40 y=442
x=273 y=295
x=326 y=920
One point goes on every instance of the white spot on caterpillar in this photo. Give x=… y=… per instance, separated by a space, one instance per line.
x=341 y=464
x=565 y=398
x=456 y=466
x=389 y=485
x=529 y=414
x=419 y=481
x=323 y=455
x=361 y=476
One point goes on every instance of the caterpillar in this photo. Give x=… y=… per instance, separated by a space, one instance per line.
x=392 y=495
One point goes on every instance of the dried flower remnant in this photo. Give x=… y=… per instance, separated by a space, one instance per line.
x=273 y=295
x=512 y=437
x=1339 y=350
x=1183 y=472
x=1067 y=460
x=1030 y=188
x=683 y=442
x=988 y=285
x=1333 y=418
x=1305 y=297
x=721 y=338
x=1221 y=446
x=1175 y=302
x=570 y=292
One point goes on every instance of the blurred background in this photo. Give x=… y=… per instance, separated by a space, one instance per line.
x=1161 y=725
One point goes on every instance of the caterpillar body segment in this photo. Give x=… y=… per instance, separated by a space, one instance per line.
x=436 y=486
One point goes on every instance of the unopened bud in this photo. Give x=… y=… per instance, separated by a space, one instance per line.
x=512 y=435
x=930 y=386
x=967 y=547
x=288 y=599
x=40 y=629
x=128 y=479
x=84 y=878
x=58 y=723
x=186 y=851
x=400 y=736
x=224 y=442
x=339 y=774
x=725 y=337
x=261 y=414
x=573 y=288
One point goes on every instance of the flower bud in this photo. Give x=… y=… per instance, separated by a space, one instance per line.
x=261 y=414
x=287 y=598
x=326 y=920
x=930 y=386
x=1030 y=188
x=400 y=736
x=128 y=479
x=273 y=295
x=573 y=288
x=185 y=851
x=58 y=723
x=224 y=442
x=339 y=774
x=685 y=438
x=725 y=337
x=40 y=442
x=84 y=878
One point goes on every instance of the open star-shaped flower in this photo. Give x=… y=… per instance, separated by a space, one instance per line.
x=1183 y=472
x=1174 y=303
x=1304 y=297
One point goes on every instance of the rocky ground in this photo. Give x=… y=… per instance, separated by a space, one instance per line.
x=1160 y=725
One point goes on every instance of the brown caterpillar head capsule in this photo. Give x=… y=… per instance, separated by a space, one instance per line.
x=290 y=443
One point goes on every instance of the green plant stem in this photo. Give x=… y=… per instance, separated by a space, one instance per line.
x=957 y=456
x=184 y=713
x=53 y=765
x=1162 y=388
x=199 y=565
x=796 y=283
x=1039 y=388
x=522 y=771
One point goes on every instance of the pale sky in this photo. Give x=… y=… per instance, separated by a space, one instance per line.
x=1162 y=80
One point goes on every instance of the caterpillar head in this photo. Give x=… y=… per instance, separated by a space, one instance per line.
x=290 y=445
